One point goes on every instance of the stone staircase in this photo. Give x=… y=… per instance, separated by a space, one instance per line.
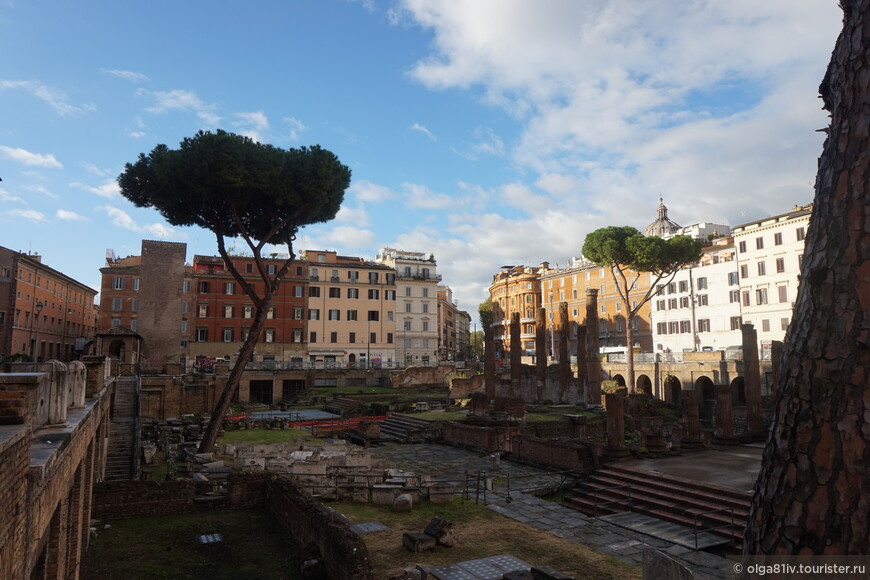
x=345 y=407
x=613 y=489
x=122 y=453
x=405 y=428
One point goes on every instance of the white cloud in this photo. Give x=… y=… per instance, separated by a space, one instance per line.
x=421 y=197
x=354 y=215
x=178 y=100
x=297 y=127
x=91 y=168
x=128 y=75
x=27 y=214
x=6 y=196
x=253 y=125
x=66 y=215
x=108 y=189
x=370 y=192
x=421 y=129
x=121 y=219
x=55 y=98
x=28 y=158
x=41 y=189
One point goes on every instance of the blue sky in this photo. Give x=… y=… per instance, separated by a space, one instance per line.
x=489 y=133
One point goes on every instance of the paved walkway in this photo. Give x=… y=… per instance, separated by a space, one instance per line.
x=451 y=464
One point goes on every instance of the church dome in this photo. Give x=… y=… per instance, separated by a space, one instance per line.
x=663 y=227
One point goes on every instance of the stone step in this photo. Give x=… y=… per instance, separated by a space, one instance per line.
x=651 y=477
x=679 y=493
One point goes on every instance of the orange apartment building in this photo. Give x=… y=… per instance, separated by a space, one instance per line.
x=453 y=327
x=515 y=289
x=44 y=313
x=351 y=311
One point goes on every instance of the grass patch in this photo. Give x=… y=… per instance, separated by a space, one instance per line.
x=441 y=415
x=253 y=546
x=481 y=532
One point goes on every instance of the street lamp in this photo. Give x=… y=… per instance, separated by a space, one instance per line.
x=35 y=349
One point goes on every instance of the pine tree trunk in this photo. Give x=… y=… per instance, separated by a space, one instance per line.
x=812 y=493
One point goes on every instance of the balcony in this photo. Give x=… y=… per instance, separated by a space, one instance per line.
x=419 y=277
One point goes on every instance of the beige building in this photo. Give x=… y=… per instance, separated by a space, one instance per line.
x=416 y=305
x=454 y=327
x=515 y=289
x=351 y=311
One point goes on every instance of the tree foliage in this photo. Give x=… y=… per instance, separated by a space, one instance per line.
x=485 y=310
x=238 y=188
x=629 y=254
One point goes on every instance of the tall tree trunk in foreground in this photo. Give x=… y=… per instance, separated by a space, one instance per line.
x=812 y=493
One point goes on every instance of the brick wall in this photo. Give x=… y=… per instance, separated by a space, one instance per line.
x=14 y=457
x=562 y=454
x=117 y=500
x=487 y=438
x=309 y=521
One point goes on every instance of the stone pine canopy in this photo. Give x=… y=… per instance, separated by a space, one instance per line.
x=662 y=227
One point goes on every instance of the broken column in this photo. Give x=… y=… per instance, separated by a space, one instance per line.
x=752 y=383
x=693 y=438
x=564 y=359
x=614 y=403
x=489 y=362
x=516 y=355
x=582 y=364
x=540 y=353
x=723 y=433
x=593 y=356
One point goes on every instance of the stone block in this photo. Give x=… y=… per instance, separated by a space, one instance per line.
x=403 y=503
x=385 y=494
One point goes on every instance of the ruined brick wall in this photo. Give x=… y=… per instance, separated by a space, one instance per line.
x=118 y=500
x=462 y=387
x=247 y=490
x=14 y=457
x=487 y=438
x=562 y=454
x=308 y=521
x=161 y=285
x=423 y=377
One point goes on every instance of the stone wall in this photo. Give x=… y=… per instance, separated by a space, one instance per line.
x=310 y=522
x=462 y=387
x=423 y=377
x=557 y=453
x=480 y=437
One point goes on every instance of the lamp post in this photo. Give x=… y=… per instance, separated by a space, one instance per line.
x=35 y=350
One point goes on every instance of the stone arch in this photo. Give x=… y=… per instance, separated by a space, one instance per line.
x=117 y=349
x=673 y=389
x=706 y=397
x=644 y=384
x=738 y=392
x=351 y=359
x=620 y=380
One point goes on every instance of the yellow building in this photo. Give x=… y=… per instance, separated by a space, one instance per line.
x=515 y=289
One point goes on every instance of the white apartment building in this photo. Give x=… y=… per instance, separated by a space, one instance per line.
x=769 y=253
x=416 y=305
x=700 y=308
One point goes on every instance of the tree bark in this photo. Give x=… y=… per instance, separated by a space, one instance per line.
x=812 y=493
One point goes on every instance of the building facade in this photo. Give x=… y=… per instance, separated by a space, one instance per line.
x=44 y=313
x=769 y=260
x=417 y=282
x=454 y=327
x=515 y=289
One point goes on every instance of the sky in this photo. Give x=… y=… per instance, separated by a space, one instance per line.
x=485 y=132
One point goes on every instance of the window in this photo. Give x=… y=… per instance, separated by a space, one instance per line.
x=407 y=326
x=425 y=326
x=389 y=338
x=759 y=243
x=780 y=265
x=116 y=304
x=228 y=311
x=116 y=322
x=228 y=335
x=425 y=293
x=299 y=270
x=373 y=277
x=314 y=291
x=673 y=327
x=735 y=323
x=734 y=296
x=334 y=292
x=202 y=310
x=746 y=298
x=353 y=293
x=351 y=315
x=783 y=293
x=660 y=290
x=313 y=314
x=135 y=284
x=334 y=314
x=351 y=338
x=425 y=308
x=183 y=326
x=684 y=301
x=374 y=294
x=312 y=336
x=744 y=271
x=271 y=269
x=270 y=314
x=117 y=283
x=765 y=325
x=407 y=307
x=685 y=327
x=407 y=291
x=203 y=287
x=660 y=305
x=761 y=268
x=662 y=328
x=269 y=335
x=249 y=268
x=684 y=286
x=202 y=334
x=185 y=286
x=185 y=307
x=297 y=335
x=761 y=296
x=742 y=247
x=619 y=306
x=373 y=337
x=702 y=300
x=800 y=234
x=374 y=316
x=389 y=294
x=297 y=291
x=603 y=310
x=230 y=288
x=353 y=276
x=702 y=283
x=777 y=239
x=704 y=325
x=672 y=303
x=248 y=312
x=732 y=278
x=333 y=337
x=620 y=324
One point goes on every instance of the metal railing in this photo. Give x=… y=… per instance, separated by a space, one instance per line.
x=596 y=505
x=712 y=527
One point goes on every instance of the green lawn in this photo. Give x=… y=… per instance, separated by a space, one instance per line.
x=253 y=546
x=267 y=436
